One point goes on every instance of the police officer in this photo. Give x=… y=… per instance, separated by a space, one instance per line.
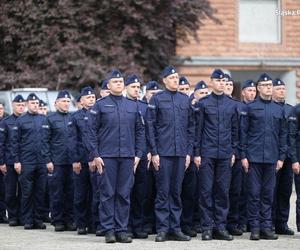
x=229 y=85
x=43 y=110
x=294 y=151
x=152 y=88
x=85 y=182
x=184 y=86
x=284 y=176
x=200 y=91
x=104 y=89
x=263 y=149
x=56 y=156
x=170 y=127
x=237 y=215
x=28 y=163
x=115 y=142
x=217 y=136
x=3 y=218
x=12 y=187
x=141 y=187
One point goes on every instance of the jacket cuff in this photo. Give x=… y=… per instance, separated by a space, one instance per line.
x=139 y=154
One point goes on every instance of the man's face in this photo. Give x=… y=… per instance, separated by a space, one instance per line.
x=63 y=104
x=172 y=81
x=200 y=93
x=279 y=92
x=265 y=88
x=43 y=110
x=33 y=106
x=18 y=108
x=218 y=85
x=104 y=92
x=185 y=89
x=228 y=88
x=150 y=93
x=116 y=85
x=133 y=90
x=87 y=101
x=249 y=94
x=1 y=110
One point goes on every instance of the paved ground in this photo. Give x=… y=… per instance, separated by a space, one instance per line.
x=17 y=238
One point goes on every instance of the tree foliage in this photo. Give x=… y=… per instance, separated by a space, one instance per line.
x=68 y=43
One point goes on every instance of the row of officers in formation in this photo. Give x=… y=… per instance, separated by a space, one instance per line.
x=173 y=164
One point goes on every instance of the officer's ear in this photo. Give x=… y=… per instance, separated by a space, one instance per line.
x=164 y=80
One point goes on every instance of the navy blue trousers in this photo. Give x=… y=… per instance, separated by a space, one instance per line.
x=83 y=198
x=149 y=206
x=188 y=197
x=297 y=186
x=115 y=188
x=282 y=195
x=61 y=190
x=243 y=210
x=33 y=182
x=12 y=194
x=214 y=184
x=168 y=206
x=261 y=184
x=141 y=192
x=2 y=196
x=237 y=206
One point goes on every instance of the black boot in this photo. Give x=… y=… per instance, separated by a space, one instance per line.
x=255 y=234
x=110 y=237
x=123 y=238
x=59 y=228
x=81 y=231
x=161 y=237
x=190 y=232
x=284 y=231
x=40 y=225
x=207 y=235
x=140 y=235
x=222 y=235
x=235 y=231
x=268 y=234
x=178 y=236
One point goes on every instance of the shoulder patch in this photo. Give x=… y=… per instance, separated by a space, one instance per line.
x=243 y=113
x=85 y=118
x=2 y=129
x=150 y=106
x=292 y=118
x=15 y=128
x=45 y=126
x=93 y=112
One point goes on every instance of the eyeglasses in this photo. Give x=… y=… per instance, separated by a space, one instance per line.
x=265 y=84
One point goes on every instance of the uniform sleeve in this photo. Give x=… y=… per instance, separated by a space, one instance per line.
x=293 y=124
x=73 y=140
x=199 y=124
x=46 y=137
x=140 y=138
x=16 y=140
x=191 y=131
x=90 y=135
x=151 y=116
x=283 y=137
x=235 y=131
x=3 y=135
x=243 y=131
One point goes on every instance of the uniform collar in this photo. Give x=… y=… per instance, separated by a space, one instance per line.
x=171 y=92
x=116 y=97
x=263 y=100
x=217 y=96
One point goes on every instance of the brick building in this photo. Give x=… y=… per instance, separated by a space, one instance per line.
x=255 y=36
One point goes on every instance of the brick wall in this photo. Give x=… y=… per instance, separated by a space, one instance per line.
x=223 y=40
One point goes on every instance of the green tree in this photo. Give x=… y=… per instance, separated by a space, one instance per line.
x=68 y=43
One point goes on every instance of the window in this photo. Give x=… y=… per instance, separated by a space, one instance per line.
x=258 y=22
